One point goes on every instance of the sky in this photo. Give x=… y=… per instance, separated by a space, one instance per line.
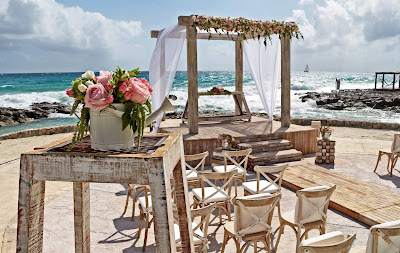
x=77 y=35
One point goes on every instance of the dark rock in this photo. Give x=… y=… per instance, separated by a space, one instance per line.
x=388 y=100
x=11 y=116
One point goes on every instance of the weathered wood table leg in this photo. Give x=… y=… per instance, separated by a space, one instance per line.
x=30 y=209
x=160 y=185
x=82 y=217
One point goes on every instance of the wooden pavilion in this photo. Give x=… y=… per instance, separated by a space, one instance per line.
x=192 y=36
x=299 y=139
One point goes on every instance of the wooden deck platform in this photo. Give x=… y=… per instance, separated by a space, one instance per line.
x=303 y=138
x=365 y=202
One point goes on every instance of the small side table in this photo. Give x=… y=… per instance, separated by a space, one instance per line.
x=325 y=152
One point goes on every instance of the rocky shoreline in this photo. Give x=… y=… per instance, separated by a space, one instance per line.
x=11 y=116
x=388 y=100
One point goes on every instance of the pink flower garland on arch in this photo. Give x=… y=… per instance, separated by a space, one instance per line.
x=246 y=28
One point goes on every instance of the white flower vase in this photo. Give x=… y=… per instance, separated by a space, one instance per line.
x=106 y=130
x=326 y=136
x=225 y=145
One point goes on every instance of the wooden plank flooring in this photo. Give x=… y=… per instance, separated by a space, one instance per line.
x=365 y=202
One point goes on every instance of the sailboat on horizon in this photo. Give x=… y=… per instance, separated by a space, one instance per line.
x=307 y=69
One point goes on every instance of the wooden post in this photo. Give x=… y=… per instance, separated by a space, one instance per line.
x=30 y=209
x=376 y=79
x=383 y=79
x=399 y=80
x=394 y=80
x=238 y=73
x=285 y=82
x=193 y=97
x=82 y=216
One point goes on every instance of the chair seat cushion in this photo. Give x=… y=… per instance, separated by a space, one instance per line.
x=191 y=175
x=208 y=191
x=324 y=240
x=359 y=249
x=221 y=168
x=142 y=201
x=252 y=187
x=289 y=216
x=196 y=240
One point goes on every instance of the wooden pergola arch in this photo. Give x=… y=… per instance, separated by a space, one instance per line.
x=192 y=36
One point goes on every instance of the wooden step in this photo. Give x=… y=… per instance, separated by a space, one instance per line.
x=273 y=157
x=264 y=146
x=257 y=138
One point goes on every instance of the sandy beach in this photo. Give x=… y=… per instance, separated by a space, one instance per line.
x=362 y=143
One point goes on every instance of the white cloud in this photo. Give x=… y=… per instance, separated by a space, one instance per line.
x=350 y=32
x=50 y=27
x=304 y=2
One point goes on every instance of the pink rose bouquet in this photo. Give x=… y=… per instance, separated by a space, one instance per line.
x=96 y=97
x=99 y=92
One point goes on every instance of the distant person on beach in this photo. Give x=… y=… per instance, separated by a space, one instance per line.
x=337 y=84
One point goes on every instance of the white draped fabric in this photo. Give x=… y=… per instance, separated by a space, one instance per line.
x=265 y=66
x=164 y=62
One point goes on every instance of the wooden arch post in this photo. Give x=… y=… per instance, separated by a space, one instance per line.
x=285 y=81
x=238 y=70
x=193 y=93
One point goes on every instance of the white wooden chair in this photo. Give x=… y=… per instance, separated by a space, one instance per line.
x=200 y=229
x=392 y=154
x=333 y=242
x=191 y=172
x=221 y=195
x=383 y=238
x=240 y=166
x=265 y=186
x=252 y=223
x=136 y=190
x=310 y=212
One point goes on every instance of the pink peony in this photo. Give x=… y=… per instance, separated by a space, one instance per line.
x=104 y=77
x=123 y=87
x=109 y=99
x=140 y=90
x=96 y=96
x=70 y=92
x=108 y=87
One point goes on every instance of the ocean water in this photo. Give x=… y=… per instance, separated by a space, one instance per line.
x=21 y=90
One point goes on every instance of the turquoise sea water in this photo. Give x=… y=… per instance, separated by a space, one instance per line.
x=21 y=90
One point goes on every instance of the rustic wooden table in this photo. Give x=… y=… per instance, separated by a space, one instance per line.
x=159 y=156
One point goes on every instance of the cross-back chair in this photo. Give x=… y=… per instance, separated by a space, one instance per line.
x=383 y=238
x=268 y=185
x=199 y=227
x=238 y=160
x=213 y=193
x=392 y=154
x=310 y=212
x=146 y=214
x=191 y=171
x=334 y=242
x=136 y=190
x=252 y=221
